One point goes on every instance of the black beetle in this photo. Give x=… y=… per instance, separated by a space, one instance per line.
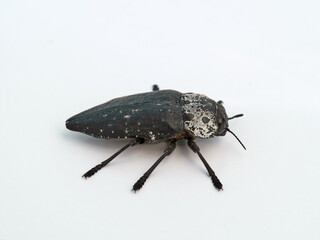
x=165 y=115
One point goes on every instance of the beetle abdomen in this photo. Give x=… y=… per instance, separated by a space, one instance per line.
x=152 y=116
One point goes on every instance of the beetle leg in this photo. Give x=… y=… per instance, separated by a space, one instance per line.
x=216 y=182
x=155 y=87
x=104 y=163
x=138 y=185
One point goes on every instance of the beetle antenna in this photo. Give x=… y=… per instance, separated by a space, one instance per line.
x=236 y=138
x=236 y=116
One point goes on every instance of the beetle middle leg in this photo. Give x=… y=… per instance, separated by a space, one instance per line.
x=216 y=182
x=104 y=163
x=138 y=185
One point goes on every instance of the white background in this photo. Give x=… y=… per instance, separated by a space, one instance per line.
x=58 y=58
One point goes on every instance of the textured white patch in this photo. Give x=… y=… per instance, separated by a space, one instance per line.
x=126 y=131
x=202 y=122
x=104 y=115
x=127 y=116
x=110 y=125
x=112 y=131
x=101 y=130
x=152 y=136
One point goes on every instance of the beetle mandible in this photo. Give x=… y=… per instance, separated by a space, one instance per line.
x=165 y=115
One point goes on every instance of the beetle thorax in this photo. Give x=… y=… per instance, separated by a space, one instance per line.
x=199 y=115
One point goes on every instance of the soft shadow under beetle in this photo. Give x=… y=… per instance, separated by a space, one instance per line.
x=165 y=115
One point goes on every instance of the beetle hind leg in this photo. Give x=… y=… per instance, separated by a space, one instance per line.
x=139 y=184
x=95 y=169
x=215 y=180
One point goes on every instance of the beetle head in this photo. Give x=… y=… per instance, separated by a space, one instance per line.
x=221 y=120
x=204 y=117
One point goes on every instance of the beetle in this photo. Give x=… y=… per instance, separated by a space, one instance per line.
x=160 y=115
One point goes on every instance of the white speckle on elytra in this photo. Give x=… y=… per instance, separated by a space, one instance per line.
x=104 y=115
x=126 y=131
x=125 y=137
x=114 y=118
x=101 y=130
x=152 y=136
x=110 y=125
x=112 y=131
x=139 y=123
x=120 y=111
x=127 y=116
x=87 y=127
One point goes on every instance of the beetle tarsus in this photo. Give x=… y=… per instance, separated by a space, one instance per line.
x=138 y=185
x=92 y=171
x=216 y=182
x=104 y=163
x=155 y=87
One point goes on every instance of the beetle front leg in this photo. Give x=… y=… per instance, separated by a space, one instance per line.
x=216 y=182
x=104 y=163
x=138 y=185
